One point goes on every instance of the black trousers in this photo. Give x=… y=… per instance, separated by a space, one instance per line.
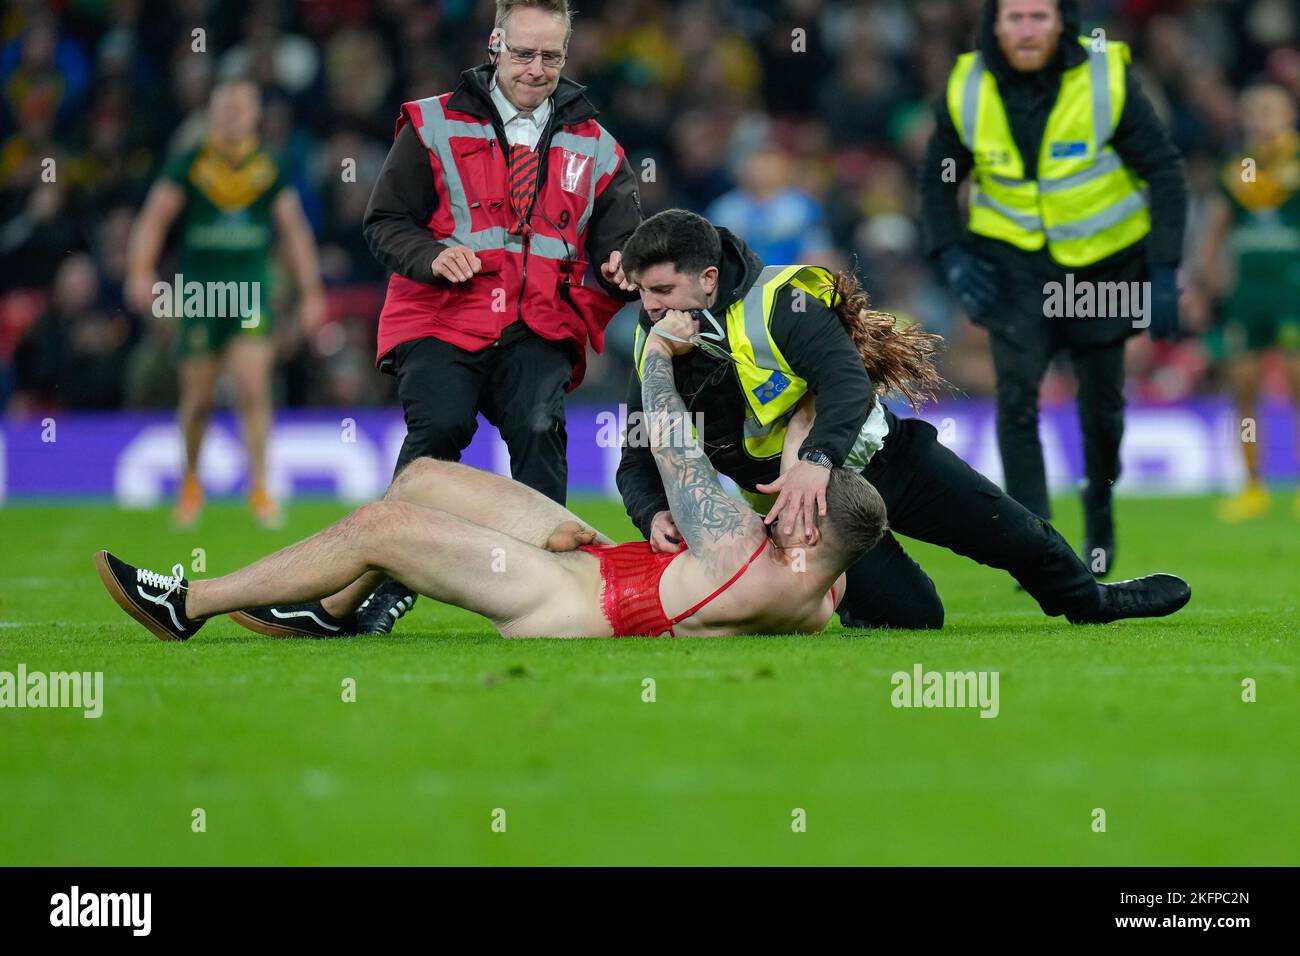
x=934 y=496
x=1020 y=363
x=1023 y=340
x=518 y=384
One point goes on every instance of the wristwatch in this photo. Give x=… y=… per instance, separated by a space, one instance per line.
x=817 y=458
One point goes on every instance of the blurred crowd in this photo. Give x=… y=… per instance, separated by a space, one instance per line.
x=800 y=124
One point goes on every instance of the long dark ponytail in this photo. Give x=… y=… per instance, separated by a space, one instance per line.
x=899 y=356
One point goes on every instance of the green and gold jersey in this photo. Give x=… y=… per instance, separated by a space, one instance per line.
x=225 y=226
x=1262 y=311
x=1262 y=187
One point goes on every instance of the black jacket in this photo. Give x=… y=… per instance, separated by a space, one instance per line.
x=818 y=349
x=404 y=196
x=1140 y=139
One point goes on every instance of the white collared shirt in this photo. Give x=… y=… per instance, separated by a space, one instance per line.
x=520 y=127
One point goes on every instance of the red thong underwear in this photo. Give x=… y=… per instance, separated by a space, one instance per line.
x=629 y=593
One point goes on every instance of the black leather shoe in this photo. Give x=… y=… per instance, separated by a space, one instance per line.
x=384 y=608
x=1155 y=595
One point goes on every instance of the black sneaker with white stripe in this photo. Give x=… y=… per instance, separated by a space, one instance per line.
x=296 y=620
x=385 y=606
x=155 y=600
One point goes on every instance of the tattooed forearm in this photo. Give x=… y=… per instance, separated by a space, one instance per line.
x=704 y=513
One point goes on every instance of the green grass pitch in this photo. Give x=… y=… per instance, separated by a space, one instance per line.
x=1144 y=720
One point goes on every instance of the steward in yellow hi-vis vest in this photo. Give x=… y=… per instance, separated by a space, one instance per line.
x=1085 y=204
x=754 y=345
x=776 y=336
x=1072 y=230
x=771 y=388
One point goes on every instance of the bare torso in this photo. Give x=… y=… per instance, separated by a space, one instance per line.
x=765 y=599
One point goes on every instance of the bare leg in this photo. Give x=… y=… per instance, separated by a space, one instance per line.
x=1293 y=379
x=1243 y=378
x=354 y=595
x=198 y=382
x=489 y=500
x=484 y=498
x=431 y=551
x=251 y=360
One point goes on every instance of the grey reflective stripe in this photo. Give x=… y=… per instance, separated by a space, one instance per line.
x=606 y=154
x=550 y=247
x=754 y=430
x=1107 y=163
x=1030 y=223
x=493 y=237
x=1110 y=216
x=970 y=102
x=435 y=137
x=1099 y=75
x=496 y=237
x=574 y=144
x=1009 y=181
x=606 y=162
x=756 y=321
x=461 y=128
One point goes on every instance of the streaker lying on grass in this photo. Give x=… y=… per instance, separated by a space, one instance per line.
x=484 y=543
x=496 y=547
x=533 y=568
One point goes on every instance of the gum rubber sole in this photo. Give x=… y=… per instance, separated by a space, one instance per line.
x=124 y=600
x=251 y=623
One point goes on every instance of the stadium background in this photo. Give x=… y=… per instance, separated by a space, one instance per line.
x=1147 y=720
x=709 y=100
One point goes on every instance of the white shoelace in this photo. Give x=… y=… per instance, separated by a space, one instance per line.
x=154 y=579
x=171 y=585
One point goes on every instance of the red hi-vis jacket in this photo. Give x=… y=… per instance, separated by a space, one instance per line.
x=543 y=280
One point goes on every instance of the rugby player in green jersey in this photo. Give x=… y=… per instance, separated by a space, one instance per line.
x=228 y=194
x=1256 y=217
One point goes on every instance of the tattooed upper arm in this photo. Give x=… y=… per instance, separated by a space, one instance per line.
x=721 y=531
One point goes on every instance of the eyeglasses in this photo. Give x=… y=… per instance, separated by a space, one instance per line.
x=523 y=57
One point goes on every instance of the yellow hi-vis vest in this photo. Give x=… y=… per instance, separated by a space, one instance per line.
x=1085 y=204
x=770 y=386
